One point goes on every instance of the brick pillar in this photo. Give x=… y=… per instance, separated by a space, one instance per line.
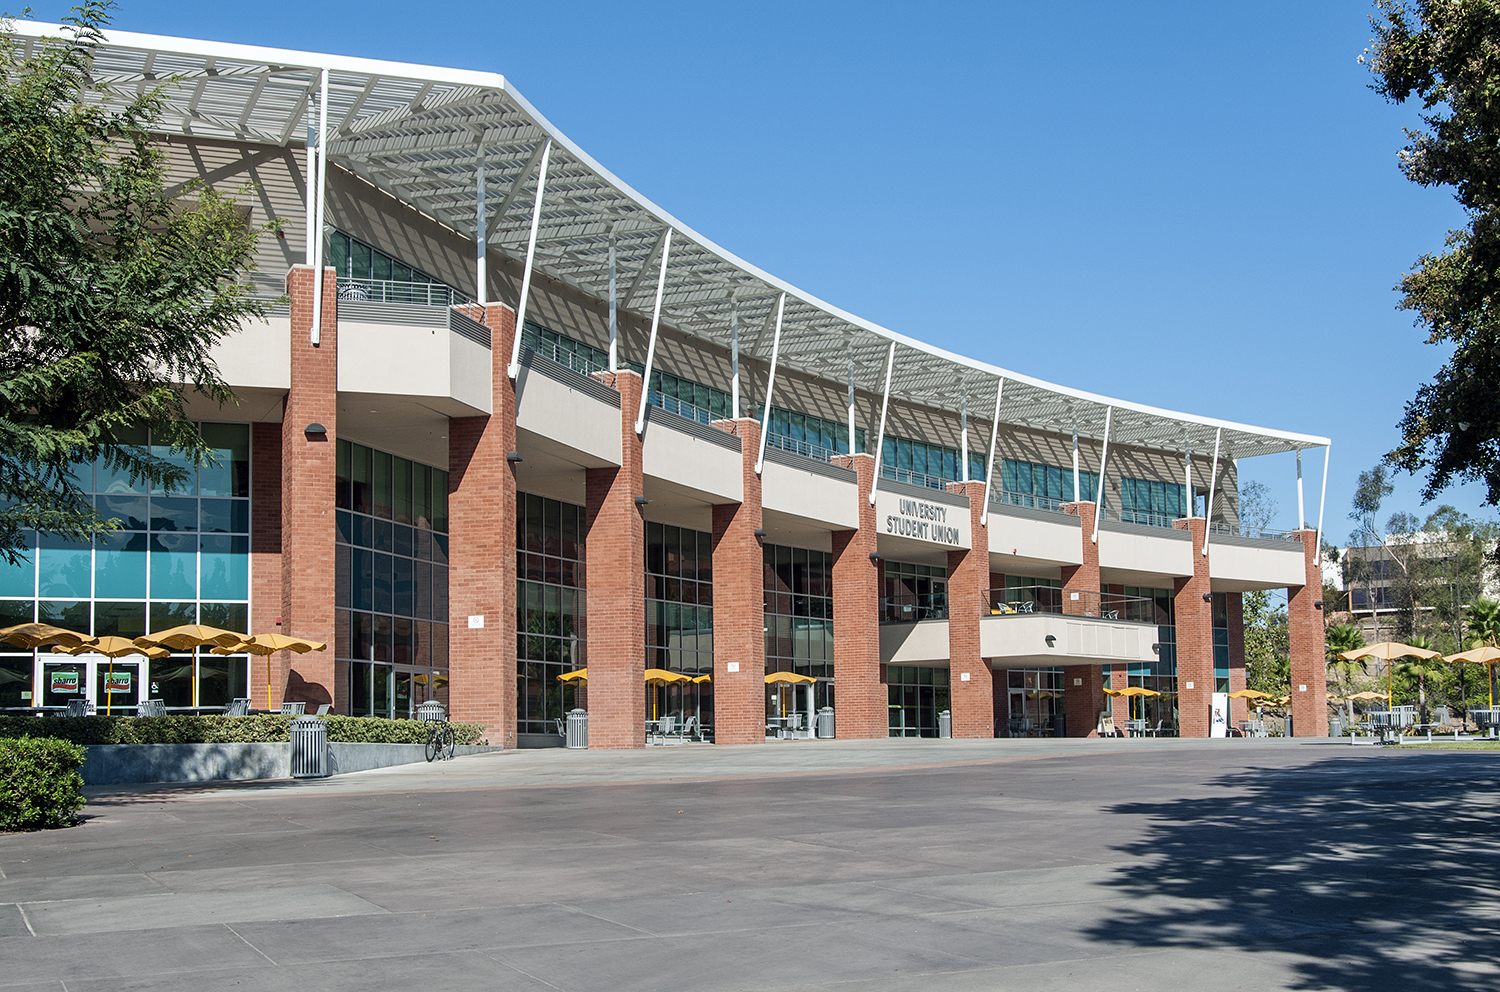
x=968 y=600
x=1239 y=709
x=1195 y=638
x=1309 y=661
x=265 y=560
x=1000 y=685
x=739 y=604
x=308 y=468
x=1085 y=577
x=482 y=549
x=1083 y=702
x=616 y=550
x=860 y=696
x=1119 y=706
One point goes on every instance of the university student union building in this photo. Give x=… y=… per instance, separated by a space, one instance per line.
x=516 y=438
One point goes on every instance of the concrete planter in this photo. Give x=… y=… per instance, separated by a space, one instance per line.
x=120 y=764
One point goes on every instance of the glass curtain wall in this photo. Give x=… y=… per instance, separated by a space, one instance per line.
x=1042 y=487
x=1161 y=674
x=391 y=580
x=180 y=556
x=550 y=622
x=1221 y=641
x=923 y=464
x=384 y=278
x=916 y=694
x=798 y=586
x=1036 y=700
x=680 y=621
x=1156 y=504
x=914 y=592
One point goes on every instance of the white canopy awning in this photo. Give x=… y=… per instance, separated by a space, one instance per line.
x=416 y=132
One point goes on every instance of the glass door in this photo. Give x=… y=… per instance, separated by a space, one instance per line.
x=64 y=681
x=117 y=687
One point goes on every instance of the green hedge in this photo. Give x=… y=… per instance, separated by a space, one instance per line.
x=219 y=729
x=39 y=783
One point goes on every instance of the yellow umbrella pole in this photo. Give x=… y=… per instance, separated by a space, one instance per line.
x=109 y=697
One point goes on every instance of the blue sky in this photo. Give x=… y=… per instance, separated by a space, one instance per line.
x=1195 y=206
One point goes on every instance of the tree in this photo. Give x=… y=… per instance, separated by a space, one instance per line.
x=1484 y=627
x=1446 y=53
x=1419 y=669
x=1369 y=494
x=1257 y=508
x=1268 y=656
x=112 y=291
x=1337 y=640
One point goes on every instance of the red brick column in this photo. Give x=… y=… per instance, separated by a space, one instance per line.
x=1309 y=660
x=265 y=558
x=482 y=552
x=1084 y=577
x=968 y=600
x=1083 y=699
x=860 y=696
x=308 y=469
x=739 y=604
x=1239 y=709
x=616 y=551
x=1195 y=638
x=1119 y=706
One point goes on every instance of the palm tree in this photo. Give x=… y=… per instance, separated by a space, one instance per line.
x=1484 y=626
x=1338 y=639
x=1421 y=668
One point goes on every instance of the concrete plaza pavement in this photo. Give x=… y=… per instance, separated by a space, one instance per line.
x=883 y=865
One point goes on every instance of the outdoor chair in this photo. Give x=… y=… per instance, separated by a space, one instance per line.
x=80 y=707
x=152 y=707
x=562 y=729
x=688 y=729
x=293 y=709
x=237 y=707
x=323 y=708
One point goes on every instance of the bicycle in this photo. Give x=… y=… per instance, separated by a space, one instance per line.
x=440 y=742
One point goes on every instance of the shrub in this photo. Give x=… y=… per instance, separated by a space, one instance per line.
x=39 y=783
x=219 y=729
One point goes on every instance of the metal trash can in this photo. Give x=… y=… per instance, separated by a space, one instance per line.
x=945 y=723
x=309 y=748
x=825 y=723
x=431 y=711
x=577 y=735
x=1335 y=727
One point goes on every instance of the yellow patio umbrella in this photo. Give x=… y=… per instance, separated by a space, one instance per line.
x=577 y=675
x=266 y=645
x=703 y=678
x=1251 y=694
x=191 y=636
x=111 y=647
x=40 y=635
x=1486 y=656
x=1367 y=695
x=1112 y=692
x=660 y=676
x=1136 y=690
x=1389 y=651
x=788 y=678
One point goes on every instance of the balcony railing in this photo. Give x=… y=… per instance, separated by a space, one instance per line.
x=1030 y=501
x=680 y=407
x=816 y=452
x=1259 y=533
x=914 y=478
x=428 y=294
x=1023 y=600
x=911 y=607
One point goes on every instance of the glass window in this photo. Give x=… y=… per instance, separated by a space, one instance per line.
x=120 y=566
x=64 y=569
x=230 y=445
x=126 y=620
x=225 y=568
x=19 y=578
x=174 y=566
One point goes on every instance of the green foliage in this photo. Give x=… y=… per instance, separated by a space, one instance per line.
x=1446 y=53
x=268 y=729
x=40 y=786
x=114 y=286
x=1268 y=655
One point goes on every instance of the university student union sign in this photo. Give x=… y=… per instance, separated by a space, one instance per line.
x=925 y=521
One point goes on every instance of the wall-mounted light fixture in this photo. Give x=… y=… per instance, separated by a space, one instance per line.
x=1051 y=640
x=874 y=556
x=315 y=431
x=1156 y=649
x=1208 y=597
x=641 y=501
x=1318 y=605
x=514 y=457
x=760 y=532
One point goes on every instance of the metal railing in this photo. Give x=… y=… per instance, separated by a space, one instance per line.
x=1022 y=600
x=1148 y=518
x=566 y=358
x=914 y=478
x=814 y=451
x=680 y=407
x=1030 y=501
x=430 y=294
x=911 y=607
x=1246 y=530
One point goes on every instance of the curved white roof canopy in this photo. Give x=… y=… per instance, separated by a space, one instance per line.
x=415 y=132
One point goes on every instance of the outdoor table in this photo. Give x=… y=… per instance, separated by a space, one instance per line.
x=1136 y=727
x=1486 y=718
x=777 y=725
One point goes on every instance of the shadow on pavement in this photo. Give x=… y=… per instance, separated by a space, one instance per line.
x=1385 y=872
